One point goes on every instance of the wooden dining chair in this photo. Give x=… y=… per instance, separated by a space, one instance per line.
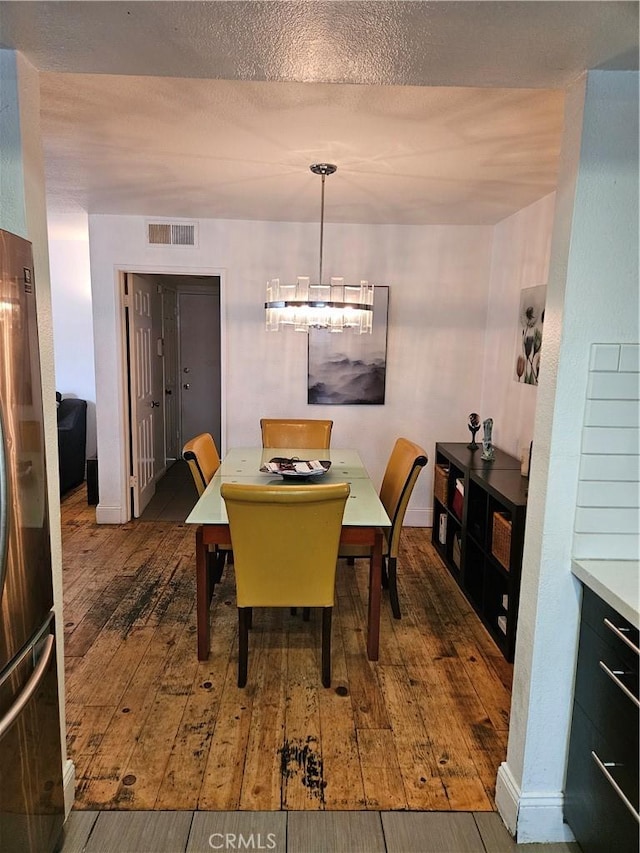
x=201 y=454
x=403 y=467
x=296 y=433
x=285 y=544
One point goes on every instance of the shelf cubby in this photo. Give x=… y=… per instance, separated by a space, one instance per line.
x=477 y=514
x=474 y=574
x=453 y=530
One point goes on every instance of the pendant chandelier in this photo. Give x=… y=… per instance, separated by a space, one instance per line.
x=335 y=306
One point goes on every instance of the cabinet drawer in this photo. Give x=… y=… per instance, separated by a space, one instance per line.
x=606 y=689
x=615 y=631
x=596 y=813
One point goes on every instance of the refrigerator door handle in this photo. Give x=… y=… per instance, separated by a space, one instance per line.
x=30 y=687
x=4 y=506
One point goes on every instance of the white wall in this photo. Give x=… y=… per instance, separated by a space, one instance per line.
x=438 y=279
x=520 y=258
x=607 y=518
x=72 y=313
x=592 y=297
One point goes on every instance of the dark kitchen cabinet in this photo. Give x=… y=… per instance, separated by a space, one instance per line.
x=601 y=796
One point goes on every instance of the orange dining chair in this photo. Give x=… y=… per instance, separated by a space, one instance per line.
x=296 y=433
x=285 y=544
x=403 y=467
x=201 y=454
x=203 y=459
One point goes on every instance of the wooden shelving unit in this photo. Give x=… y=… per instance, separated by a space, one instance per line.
x=486 y=568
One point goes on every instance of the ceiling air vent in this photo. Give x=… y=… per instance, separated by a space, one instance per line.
x=171 y=233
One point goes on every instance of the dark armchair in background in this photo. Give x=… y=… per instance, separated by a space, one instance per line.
x=72 y=439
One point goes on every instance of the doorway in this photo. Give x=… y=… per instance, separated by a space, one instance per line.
x=199 y=357
x=173 y=372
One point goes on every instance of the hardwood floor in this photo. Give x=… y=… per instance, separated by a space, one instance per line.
x=151 y=728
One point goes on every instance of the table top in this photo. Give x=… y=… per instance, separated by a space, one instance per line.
x=472 y=459
x=241 y=465
x=346 y=465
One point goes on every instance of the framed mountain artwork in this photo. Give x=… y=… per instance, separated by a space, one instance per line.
x=349 y=369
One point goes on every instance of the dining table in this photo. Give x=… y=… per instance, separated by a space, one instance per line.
x=363 y=522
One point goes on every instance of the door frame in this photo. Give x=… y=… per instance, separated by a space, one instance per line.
x=160 y=269
x=142 y=488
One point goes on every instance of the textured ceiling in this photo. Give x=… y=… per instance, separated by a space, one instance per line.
x=229 y=150
x=434 y=112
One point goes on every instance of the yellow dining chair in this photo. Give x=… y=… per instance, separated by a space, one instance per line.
x=296 y=433
x=203 y=459
x=285 y=544
x=405 y=463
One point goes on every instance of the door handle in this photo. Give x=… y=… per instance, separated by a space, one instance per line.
x=186 y=370
x=155 y=404
x=186 y=386
x=167 y=390
x=4 y=504
x=30 y=687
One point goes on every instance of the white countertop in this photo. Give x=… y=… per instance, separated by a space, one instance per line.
x=615 y=581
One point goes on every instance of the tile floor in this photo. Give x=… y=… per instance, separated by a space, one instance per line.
x=294 y=832
x=175 y=495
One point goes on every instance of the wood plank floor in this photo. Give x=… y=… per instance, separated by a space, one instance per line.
x=151 y=728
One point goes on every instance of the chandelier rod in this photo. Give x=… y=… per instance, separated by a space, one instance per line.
x=321 y=226
x=322 y=169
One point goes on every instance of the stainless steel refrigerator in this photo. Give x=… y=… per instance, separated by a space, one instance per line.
x=31 y=790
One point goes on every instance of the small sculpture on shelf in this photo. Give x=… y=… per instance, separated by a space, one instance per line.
x=487 y=447
x=474 y=426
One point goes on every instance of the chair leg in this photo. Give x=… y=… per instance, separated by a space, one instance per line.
x=211 y=574
x=385 y=576
x=243 y=645
x=306 y=614
x=293 y=610
x=215 y=567
x=326 y=646
x=351 y=561
x=218 y=565
x=249 y=617
x=393 y=587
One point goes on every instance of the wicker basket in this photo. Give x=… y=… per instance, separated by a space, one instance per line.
x=501 y=539
x=440 y=481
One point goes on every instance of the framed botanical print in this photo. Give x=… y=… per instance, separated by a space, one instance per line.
x=529 y=334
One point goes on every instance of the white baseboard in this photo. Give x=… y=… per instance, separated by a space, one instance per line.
x=109 y=514
x=113 y=515
x=507 y=798
x=537 y=817
x=418 y=517
x=69 y=786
